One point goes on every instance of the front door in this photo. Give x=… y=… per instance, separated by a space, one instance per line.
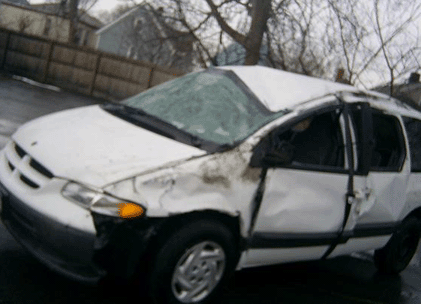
x=303 y=202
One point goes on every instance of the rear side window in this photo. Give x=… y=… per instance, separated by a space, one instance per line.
x=413 y=130
x=388 y=152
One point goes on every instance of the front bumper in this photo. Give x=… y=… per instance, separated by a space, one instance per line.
x=63 y=249
x=66 y=237
x=116 y=249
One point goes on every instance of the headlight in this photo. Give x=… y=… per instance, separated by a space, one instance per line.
x=100 y=202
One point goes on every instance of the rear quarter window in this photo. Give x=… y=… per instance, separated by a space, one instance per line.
x=413 y=130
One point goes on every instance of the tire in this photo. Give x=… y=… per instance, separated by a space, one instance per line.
x=178 y=269
x=398 y=252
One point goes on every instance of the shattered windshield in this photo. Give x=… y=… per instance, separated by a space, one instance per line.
x=212 y=105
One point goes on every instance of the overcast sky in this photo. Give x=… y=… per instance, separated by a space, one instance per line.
x=101 y=5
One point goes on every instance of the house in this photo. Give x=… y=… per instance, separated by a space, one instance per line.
x=87 y=25
x=44 y=21
x=409 y=92
x=142 y=33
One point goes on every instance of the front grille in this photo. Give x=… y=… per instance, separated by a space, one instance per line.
x=61 y=248
x=11 y=167
x=20 y=151
x=40 y=168
x=28 y=182
x=29 y=171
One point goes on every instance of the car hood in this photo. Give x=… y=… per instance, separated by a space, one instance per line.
x=94 y=147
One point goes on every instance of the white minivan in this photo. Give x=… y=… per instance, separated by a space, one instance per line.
x=222 y=169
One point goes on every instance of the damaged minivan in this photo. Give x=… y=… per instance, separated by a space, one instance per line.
x=216 y=171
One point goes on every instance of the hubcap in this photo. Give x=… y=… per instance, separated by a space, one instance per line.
x=198 y=272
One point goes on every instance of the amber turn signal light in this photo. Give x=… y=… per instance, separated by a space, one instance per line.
x=129 y=210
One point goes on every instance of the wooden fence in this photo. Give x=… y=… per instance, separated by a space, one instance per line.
x=80 y=69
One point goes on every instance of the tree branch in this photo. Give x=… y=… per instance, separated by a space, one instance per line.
x=241 y=39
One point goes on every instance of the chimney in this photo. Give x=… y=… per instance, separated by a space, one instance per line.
x=414 y=78
x=340 y=73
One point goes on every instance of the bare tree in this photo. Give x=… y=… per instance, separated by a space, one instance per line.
x=282 y=29
x=375 y=37
x=74 y=10
x=109 y=16
x=200 y=17
x=293 y=39
x=391 y=57
x=147 y=34
x=73 y=17
x=368 y=39
x=24 y=23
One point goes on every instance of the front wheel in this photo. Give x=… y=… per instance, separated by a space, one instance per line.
x=193 y=263
x=400 y=249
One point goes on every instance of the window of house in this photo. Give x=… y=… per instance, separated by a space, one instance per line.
x=130 y=52
x=47 y=27
x=413 y=130
x=86 y=38
x=138 y=22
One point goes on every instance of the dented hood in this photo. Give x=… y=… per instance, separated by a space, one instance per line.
x=94 y=147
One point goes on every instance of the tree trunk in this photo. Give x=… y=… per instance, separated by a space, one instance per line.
x=260 y=15
x=73 y=4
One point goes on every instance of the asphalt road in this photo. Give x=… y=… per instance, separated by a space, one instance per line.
x=348 y=280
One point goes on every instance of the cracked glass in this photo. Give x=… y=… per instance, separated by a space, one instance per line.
x=210 y=105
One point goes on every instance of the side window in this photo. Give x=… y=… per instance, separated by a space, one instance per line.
x=313 y=142
x=388 y=153
x=413 y=130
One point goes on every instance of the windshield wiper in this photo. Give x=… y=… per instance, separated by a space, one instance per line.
x=123 y=108
x=153 y=123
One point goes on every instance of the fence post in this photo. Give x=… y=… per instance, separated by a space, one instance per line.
x=6 y=46
x=97 y=64
x=151 y=77
x=47 y=64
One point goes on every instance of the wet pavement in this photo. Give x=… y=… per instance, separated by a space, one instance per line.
x=349 y=279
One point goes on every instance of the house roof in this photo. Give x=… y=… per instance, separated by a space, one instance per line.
x=165 y=31
x=118 y=20
x=58 y=9
x=278 y=89
x=409 y=93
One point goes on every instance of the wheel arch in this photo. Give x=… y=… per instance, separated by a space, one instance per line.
x=415 y=213
x=176 y=222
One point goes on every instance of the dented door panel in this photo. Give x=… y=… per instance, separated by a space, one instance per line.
x=413 y=195
x=389 y=190
x=302 y=201
x=381 y=195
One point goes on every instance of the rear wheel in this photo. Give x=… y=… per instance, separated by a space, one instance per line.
x=400 y=249
x=193 y=263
